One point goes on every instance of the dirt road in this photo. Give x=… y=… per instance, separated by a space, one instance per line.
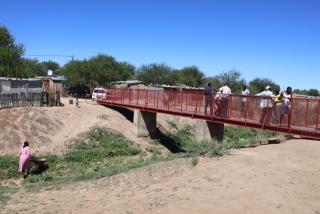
x=282 y=178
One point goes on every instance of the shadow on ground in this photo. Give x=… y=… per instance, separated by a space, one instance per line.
x=165 y=140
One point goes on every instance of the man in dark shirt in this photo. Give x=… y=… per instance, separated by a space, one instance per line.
x=208 y=98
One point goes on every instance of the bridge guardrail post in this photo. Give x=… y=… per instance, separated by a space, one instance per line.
x=317 y=120
x=306 y=115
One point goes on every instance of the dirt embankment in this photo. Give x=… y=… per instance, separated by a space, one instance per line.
x=49 y=130
x=282 y=178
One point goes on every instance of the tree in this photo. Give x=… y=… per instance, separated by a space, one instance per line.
x=154 y=73
x=215 y=81
x=100 y=70
x=50 y=65
x=232 y=79
x=31 y=68
x=258 y=84
x=313 y=92
x=10 y=54
x=310 y=92
x=190 y=76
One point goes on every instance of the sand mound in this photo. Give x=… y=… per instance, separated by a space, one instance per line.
x=50 y=130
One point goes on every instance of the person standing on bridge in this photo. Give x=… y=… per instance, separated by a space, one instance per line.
x=285 y=108
x=244 y=101
x=266 y=104
x=208 y=98
x=224 y=93
x=276 y=106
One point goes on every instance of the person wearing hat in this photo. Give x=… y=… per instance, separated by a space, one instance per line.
x=266 y=105
x=223 y=101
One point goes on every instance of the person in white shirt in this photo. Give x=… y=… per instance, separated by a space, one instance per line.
x=266 y=104
x=244 y=101
x=223 y=101
x=285 y=108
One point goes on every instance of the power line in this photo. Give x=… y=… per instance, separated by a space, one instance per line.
x=50 y=55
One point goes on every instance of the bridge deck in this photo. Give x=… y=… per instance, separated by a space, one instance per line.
x=305 y=111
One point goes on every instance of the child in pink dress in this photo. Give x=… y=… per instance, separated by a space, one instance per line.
x=24 y=159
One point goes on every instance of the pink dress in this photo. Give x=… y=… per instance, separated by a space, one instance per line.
x=24 y=159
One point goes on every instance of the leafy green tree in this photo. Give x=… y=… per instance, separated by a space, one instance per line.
x=100 y=70
x=313 y=92
x=50 y=65
x=154 y=73
x=258 y=84
x=232 y=79
x=215 y=81
x=310 y=92
x=32 y=68
x=105 y=69
x=190 y=76
x=10 y=54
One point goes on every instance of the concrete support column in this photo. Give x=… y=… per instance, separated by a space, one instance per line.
x=145 y=123
x=207 y=130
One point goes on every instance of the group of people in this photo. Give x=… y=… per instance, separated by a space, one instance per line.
x=275 y=103
x=271 y=103
x=221 y=100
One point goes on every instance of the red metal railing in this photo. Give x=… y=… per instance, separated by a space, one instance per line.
x=304 y=111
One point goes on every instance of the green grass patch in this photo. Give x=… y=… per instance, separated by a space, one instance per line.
x=102 y=153
x=192 y=148
x=234 y=137
x=237 y=137
x=5 y=192
x=9 y=167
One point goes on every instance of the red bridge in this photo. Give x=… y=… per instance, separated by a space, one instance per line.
x=304 y=111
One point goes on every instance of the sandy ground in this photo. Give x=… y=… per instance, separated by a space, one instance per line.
x=50 y=130
x=283 y=178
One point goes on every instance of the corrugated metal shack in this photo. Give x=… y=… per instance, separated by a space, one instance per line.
x=20 y=86
x=26 y=92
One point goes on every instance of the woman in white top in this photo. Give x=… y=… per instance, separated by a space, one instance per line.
x=285 y=108
x=244 y=99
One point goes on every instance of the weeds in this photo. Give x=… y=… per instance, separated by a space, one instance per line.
x=8 y=167
x=154 y=150
x=236 y=137
x=103 y=117
x=5 y=192
x=172 y=124
x=193 y=148
x=104 y=153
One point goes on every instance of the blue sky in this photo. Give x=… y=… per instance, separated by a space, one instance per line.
x=277 y=39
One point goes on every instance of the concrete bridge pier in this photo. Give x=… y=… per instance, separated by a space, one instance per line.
x=145 y=123
x=207 y=130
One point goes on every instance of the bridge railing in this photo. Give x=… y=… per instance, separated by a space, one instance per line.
x=304 y=114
